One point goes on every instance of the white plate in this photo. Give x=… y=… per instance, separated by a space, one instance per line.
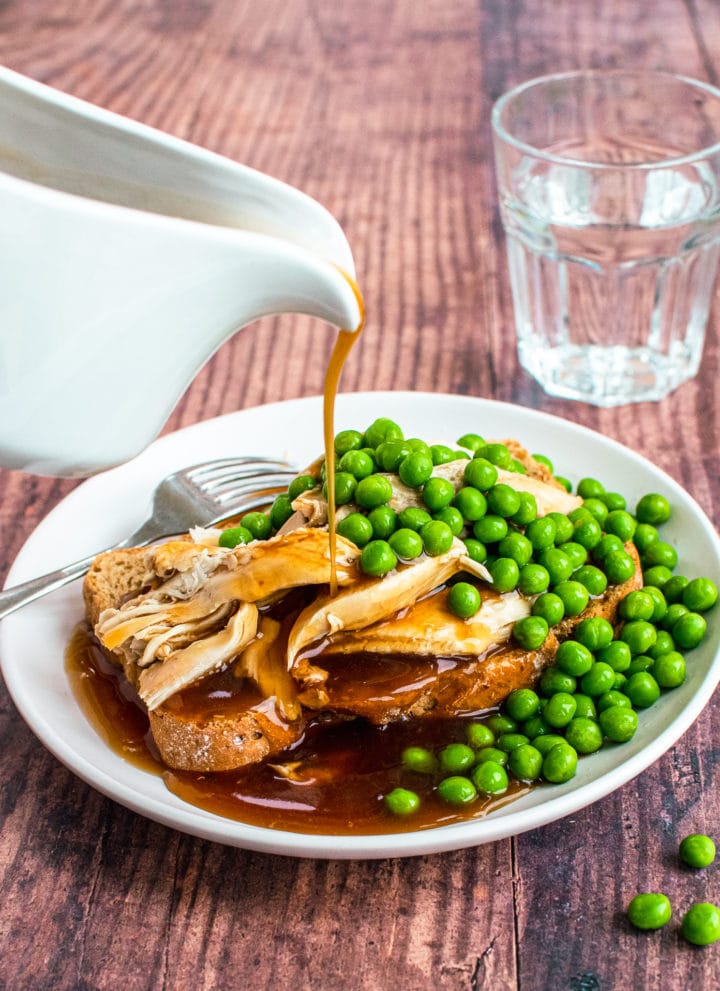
x=107 y=507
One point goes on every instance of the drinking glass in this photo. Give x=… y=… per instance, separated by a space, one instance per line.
x=609 y=185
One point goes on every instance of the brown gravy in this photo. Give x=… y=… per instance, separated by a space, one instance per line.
x=332 y=781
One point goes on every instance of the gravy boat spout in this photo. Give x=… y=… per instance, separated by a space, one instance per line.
x=128 y=257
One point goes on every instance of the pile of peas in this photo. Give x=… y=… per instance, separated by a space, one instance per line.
x=602 y=676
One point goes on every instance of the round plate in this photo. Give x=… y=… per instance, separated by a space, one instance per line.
x=106 y=508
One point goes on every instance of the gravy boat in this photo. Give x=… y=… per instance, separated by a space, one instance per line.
x=127 y=257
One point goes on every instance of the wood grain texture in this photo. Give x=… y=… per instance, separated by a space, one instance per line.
x=381 y=111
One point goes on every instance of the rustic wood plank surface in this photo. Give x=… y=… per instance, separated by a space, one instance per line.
x=380 y=111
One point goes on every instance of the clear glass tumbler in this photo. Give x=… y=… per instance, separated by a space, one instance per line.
x=609 y=185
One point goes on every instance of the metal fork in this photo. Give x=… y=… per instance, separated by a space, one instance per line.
x=201 y=495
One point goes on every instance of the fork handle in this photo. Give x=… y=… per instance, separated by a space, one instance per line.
x=20 y=595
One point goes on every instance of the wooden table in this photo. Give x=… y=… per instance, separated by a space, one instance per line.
x=380 y=111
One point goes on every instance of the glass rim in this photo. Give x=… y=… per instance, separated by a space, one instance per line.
x=503 y=134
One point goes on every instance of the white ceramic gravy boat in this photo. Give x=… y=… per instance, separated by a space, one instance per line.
x=127 y=257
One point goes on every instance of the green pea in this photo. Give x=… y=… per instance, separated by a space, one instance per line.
x=664 y=643
x=619 y=567
x=522 y=703
x=357 y=528
x=565 y=482
x=463 y=598
x=380 y=430
x=534 y=726
x=378 y=558
x=653 y=508
x=621 y=524
x=661 y=554
x=558 y=564
x=658 y=598
x=517 y=547
x=598 y=509
x=471 y=503
x=373 y=491
x=496 y=454
x=505 y=574
x=527 y=510
x=642 y=690
x=490 y=778
x=640 y=663
x=476 y=550
x=607 y=545
x=508 y=741
x=502 y=500
x=598 y=680
x=525 y=762
x=235 y=535
x=586 y=708
x=390 y=453
x=595 y=632
x=541 y=532
x=553 y=680
x=613 y=500
x=559 y=709
x=701 y=924
x=669 y=669
x=560 y=763
x=348 y=440
x=457 y=790
x=437 y=538
x=531 y=632
x=492 y=754
x=533 y=580
x=383 y=521
x=574 y=658
x=613 y=697
x=281 y=511
x=617 y=654
x=673 y=614
x=437 y=493
x=658 y=575
x=700 y=595
x=415 y=444
x=575 y=597
x=402 y=802
x=490 y=529
x=594 y=580
x=473 y=442
x=500 y=724
x=645 y=534
x=546 y=741
x=480 y=474
x=550 y=607
x=674 y=588
x=406 y=543
x=441 y=454
x=689 y=630
x=587 y=533
x=258 y=524
x=479 y=735
x=456 y=758
x=518 y=467
x=563 y=527
x=415 y=469
x=303 y=483
x=576 y=552
x=413 y=518
x=419 y=759
x=697 y=850
x=453 y=518
x=650 y=910
x=637 y=605
x=578 y=514
x=584 y=735
x=590 y=488
x=638 y=635
x=345 y=485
